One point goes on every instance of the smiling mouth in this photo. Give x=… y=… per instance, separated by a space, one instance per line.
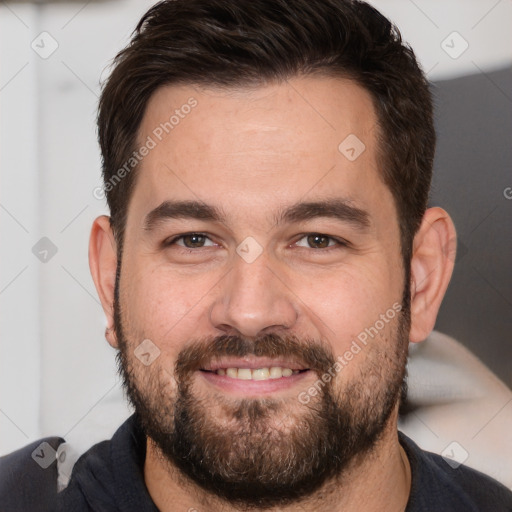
x=264 y=373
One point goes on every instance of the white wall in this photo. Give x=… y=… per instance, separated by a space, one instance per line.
x=56 y=369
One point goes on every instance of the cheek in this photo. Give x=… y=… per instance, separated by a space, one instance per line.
x=352 y=297
x=355 y=309
x=163 y=305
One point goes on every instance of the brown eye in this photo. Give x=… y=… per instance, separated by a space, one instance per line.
x=193 y=240
x=317 y=241
x=320 y=242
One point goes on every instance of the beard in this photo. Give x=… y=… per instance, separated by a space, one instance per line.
x=263 y=452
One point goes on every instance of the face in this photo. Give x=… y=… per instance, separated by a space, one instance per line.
x=262 y=265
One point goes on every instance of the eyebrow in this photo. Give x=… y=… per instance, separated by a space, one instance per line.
x=339 y=209
x=181 y=210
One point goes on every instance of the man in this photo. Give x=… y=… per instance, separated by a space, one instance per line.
x=268 y=258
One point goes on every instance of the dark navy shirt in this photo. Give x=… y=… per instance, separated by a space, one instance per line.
x=109 y=478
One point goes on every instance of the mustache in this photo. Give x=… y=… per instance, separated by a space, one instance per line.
x=313 y=354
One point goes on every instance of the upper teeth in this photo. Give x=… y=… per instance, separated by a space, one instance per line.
x=275 y=372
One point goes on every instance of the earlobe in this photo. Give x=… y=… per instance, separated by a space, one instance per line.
x=103 y=266
x=433 y=258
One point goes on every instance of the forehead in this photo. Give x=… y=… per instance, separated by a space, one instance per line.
x=318 y=110
x=260 y=147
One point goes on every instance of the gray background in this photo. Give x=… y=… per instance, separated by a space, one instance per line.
x=472 y=169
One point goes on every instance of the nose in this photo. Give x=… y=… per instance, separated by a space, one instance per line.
x=253 y=299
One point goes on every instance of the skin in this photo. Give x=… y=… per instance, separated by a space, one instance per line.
x=251 y=153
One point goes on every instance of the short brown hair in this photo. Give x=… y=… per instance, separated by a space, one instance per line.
x=236 y=43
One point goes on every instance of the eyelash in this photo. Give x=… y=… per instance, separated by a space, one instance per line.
x=340 y=243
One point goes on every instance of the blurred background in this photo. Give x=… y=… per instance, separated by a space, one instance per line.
x=55 y=365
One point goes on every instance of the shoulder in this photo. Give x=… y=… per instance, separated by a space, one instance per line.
x=109 y=476
x=91 y=481
x=28 y=477
x=442 y=484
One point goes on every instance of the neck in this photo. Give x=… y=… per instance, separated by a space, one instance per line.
x=377 y=482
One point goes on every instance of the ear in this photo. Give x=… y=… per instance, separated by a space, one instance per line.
x=103 y=265
x=433 y=258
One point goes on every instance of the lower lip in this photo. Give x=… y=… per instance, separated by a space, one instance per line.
x=256 y=387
